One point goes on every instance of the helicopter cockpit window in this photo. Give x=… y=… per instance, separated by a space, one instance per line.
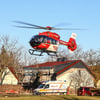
x=49 y=40
x=38 y=38
x=41 y=39
x=54 y=41
x=44 y=39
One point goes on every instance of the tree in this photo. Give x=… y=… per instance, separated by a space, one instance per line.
x=96 y=71
x=92 y=57
x=10 y=55
x=63 y=52
x=81 y=78
x=3 y=61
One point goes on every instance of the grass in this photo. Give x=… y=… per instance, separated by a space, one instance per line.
x=56 y=97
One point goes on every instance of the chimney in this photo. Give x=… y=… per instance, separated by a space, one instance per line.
x=61 y=59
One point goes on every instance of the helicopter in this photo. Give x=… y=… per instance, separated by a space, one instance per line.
x=48 y=42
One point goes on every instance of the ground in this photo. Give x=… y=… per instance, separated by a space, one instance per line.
x=51 y=98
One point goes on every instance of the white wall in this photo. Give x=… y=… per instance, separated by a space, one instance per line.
x=72 y=76
x=98 y=84
x=9 y=78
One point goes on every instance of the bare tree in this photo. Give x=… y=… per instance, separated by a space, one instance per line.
x=81 y=78
x=77 y=54
x=10 y=55
x=3 y=61
x=64 y=52
x=92 y=57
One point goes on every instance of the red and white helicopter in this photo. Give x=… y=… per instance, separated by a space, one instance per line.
x=48 y=41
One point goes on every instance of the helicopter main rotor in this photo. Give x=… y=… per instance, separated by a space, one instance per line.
x=32 y=26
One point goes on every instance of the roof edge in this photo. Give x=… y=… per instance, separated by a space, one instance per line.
x=68 y=67
x=12 y=71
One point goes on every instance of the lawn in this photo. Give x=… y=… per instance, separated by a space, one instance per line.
x=51 y=98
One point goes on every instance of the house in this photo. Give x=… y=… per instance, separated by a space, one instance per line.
x=9 y=77
x=75 y=72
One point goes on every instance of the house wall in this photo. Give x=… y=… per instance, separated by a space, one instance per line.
x=9 y=78
x=98 y=84
x=71 y=77
x=43 y=77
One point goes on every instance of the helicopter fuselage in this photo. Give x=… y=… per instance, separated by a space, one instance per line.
x=46 y=41
x=49 y=42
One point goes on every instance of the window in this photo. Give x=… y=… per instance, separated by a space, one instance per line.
x=41 y=85
x=43 y=38
x=81 y=88
x=47 y=86
x=87 y=89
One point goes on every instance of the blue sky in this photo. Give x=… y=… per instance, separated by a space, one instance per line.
x=79 y=13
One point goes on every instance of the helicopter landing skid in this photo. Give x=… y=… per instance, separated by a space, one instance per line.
x=52 y=53
x=31 y=51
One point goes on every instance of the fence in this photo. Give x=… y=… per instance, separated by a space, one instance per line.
x=11 y=90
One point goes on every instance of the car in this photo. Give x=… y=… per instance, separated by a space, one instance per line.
x=85 y=91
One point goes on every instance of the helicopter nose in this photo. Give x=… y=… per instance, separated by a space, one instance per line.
x=30 y=42
x=33 y=43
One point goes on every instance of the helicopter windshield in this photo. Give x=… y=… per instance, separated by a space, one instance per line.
x=44 y=39
x=38 y=39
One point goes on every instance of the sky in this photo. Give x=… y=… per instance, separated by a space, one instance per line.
x=84 y=14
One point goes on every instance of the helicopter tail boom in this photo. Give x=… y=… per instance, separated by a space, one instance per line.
x=71 y=44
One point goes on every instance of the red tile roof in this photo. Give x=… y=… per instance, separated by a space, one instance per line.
x=59 y=66
x=68 y=67
x=48 y=64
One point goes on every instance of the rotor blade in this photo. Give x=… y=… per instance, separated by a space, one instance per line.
x=46 y=28
x=27 y=27
x=29 y=24
x=67 y=29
